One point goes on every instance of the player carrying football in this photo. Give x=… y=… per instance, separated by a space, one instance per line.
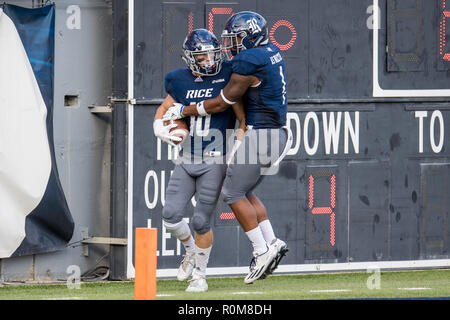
x=259 y=77
x=201 y=168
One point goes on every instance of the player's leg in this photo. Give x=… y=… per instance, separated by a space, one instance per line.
x=268 y=233
x=239 y=180
x=244 y=175
x=262 y=218
x=247 y=215
x=179 y=192
x=275 y=149
x=208 y=186
x=204 y=244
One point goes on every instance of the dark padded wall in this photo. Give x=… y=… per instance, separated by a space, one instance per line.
x=376 y=189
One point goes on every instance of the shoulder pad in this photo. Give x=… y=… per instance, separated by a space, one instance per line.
x=247 y=62
x=226 y=64
x=168 y=85
x=173 y=76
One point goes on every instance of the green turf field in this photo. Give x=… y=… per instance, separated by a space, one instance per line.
x=393 y=284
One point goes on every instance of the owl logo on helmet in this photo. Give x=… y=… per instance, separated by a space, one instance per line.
x=202 y=52
x=244 y=30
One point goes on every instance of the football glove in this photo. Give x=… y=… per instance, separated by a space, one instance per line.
x=174 y=112
x=163 y=132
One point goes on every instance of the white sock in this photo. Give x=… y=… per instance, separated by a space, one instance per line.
x=189 y=245
x=267 y=231
x=201 y=259
x=257 y=239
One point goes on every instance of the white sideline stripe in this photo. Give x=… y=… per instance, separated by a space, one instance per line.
x=256 y=292
x=414 y=288
x=353 y=266
x=67 y=298
x=346 y=266
x=331 y=290
x=164 y=295
x=209 y=271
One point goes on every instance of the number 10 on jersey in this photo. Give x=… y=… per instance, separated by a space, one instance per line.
x=200 y=126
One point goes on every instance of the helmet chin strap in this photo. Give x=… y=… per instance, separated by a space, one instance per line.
x=263 y=43
x=257 y=42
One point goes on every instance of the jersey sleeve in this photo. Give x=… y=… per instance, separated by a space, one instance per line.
x=227 y=69
x=168 y=84
x=246 y=64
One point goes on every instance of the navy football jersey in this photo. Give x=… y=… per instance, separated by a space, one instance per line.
x=187 y=89
x=266 y=104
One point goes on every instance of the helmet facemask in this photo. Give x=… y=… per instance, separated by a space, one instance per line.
x=244 y=30
x=205 y=66
x=232 y=43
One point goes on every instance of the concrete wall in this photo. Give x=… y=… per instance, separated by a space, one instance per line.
x=83 y=60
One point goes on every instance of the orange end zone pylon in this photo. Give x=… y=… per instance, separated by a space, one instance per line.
x=145 y=264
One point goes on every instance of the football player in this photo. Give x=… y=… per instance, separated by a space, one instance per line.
x=259 y=77
x=201 y=165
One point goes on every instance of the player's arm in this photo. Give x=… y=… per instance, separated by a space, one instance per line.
x=233 y=91
x=165 y=105
x=238 y=109
x=161 y=131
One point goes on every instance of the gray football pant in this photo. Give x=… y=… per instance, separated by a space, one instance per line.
x=204 y=180
x=258 y=151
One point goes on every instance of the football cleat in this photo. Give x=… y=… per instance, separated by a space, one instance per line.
x=282 y=249
x=186 y=267
x=260 y=263
x=197 y=283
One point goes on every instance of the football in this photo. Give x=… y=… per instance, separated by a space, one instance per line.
x=180 y=131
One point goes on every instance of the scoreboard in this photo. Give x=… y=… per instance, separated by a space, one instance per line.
x=366 y=181
x=412 y=38
x=334 y=49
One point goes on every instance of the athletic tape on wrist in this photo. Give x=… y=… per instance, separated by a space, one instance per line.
x=201 y=109
x=225 y=99
x=181 y=111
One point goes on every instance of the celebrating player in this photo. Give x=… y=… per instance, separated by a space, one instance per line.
x=259 y=77
x=202 y=166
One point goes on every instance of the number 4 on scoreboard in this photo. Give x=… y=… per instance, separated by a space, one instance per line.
x=324 y=210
